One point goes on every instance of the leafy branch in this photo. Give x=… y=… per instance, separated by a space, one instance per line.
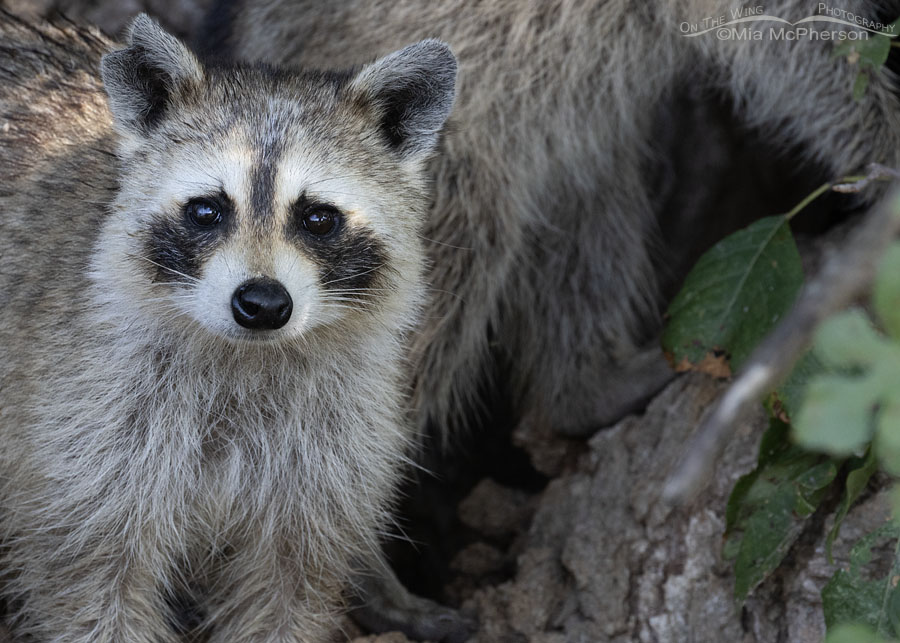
x=846 y=276
x=830 y=380
x=835 y=408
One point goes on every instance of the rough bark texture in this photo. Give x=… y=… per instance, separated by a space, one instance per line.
x=603 y=559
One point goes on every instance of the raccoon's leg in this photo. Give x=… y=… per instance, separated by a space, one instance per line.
x=109 y=595
x=581 y=315
x=471 y=255
x=563 y=277
x=382 y=604
x=262 y=595
x=569 y=295
x=260 y=599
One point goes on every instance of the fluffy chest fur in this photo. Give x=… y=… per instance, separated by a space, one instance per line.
x=202 y=332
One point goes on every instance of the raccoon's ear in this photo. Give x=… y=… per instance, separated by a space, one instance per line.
x=410 y=93
x=143 y=79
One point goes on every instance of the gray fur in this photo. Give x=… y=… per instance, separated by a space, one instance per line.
x=143 y=79
x=147 y=451
x=542 y=236
x=414 y=88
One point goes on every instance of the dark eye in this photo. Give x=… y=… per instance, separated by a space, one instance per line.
x=203 y=212
x=320 y=221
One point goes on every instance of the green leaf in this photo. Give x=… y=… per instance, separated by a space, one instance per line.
x=851 y=597
x=774 y=441
x=767 y=507
x=844 y=409
x=837 y=415
x=895 y=504
x=733 y=509
x=735 y=294
x=886 y=291
x=793 y=390
x=860 y=85
x=846 y=633
x=887 y=440
x=848 y=599
x=870 y=53
x=791 y=393
x=861 y=471
x=848 y=341
x=873 y=52
x=810 y=486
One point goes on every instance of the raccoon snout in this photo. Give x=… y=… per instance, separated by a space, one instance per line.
x=261 y=304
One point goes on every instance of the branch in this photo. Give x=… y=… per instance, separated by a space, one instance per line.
x=844 y=277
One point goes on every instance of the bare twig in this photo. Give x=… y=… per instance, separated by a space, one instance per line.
x=877 y=172
x=845 y=276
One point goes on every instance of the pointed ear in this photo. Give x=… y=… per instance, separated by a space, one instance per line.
x=410 y=92
x=143 y=79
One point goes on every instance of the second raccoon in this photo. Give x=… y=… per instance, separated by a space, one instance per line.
x=544 y=232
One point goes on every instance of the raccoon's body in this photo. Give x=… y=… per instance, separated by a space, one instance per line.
x=202 y=309
x=543 y=233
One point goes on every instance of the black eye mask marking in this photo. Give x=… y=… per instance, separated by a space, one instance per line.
x=177 y=247
x=349 y=257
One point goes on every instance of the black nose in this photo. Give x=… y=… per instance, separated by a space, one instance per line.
x=261 y=304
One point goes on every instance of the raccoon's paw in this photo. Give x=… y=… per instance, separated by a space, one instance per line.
x=426 y=621
x=382 y=604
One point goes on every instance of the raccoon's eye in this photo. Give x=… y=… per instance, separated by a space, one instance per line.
x=320 y=221
x=203 y=212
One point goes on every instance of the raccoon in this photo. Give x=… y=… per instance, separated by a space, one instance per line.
x=207 y=276
x=544 y=236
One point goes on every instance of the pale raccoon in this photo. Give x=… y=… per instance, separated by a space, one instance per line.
x=543 y=237
x=205 y=285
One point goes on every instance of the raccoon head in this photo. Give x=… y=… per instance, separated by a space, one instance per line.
x=259 y=203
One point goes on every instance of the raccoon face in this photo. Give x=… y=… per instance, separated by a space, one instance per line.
x=260 y=204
